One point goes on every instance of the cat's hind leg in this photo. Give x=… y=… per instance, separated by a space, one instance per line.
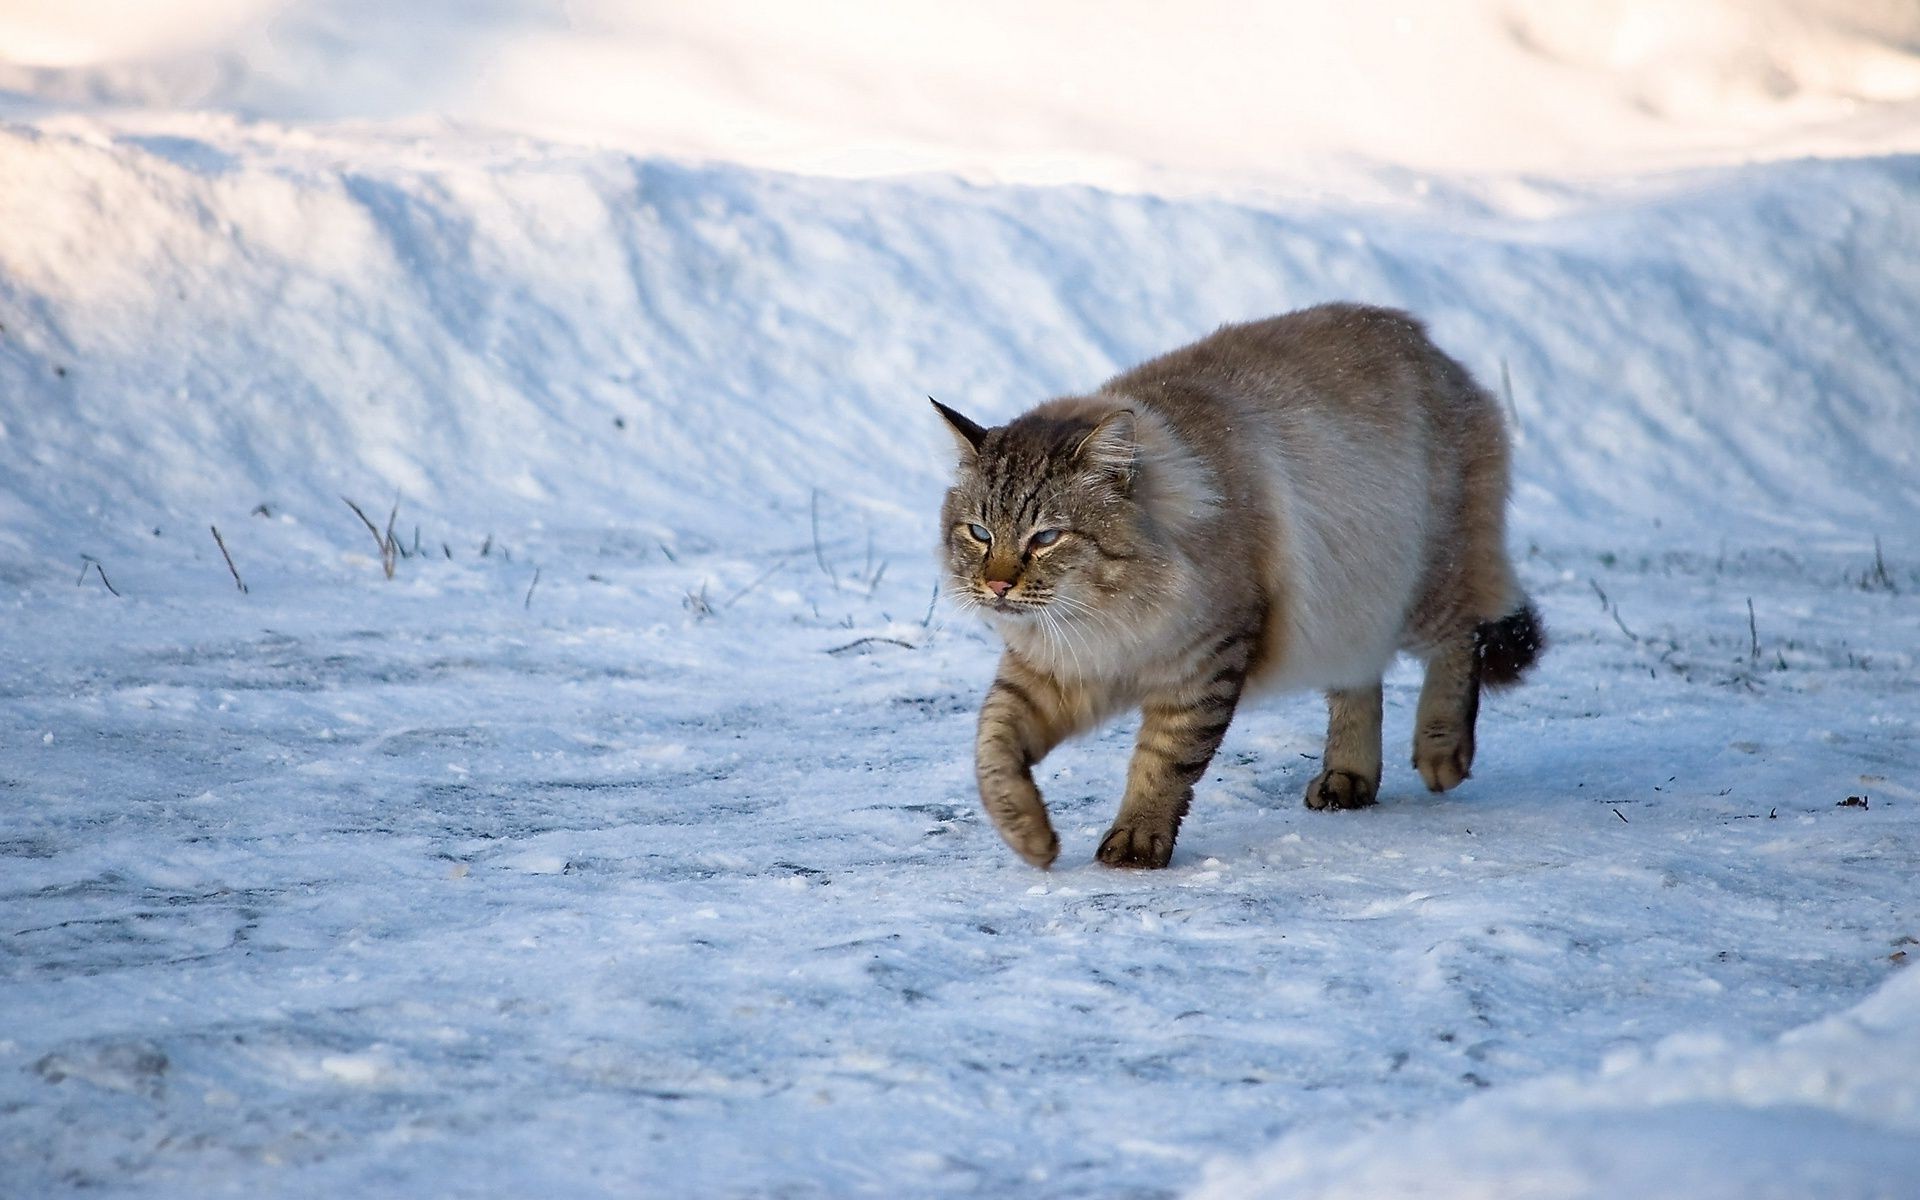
x=1350 y=777
x=1449 y=706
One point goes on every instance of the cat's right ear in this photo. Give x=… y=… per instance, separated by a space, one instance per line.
x=966 y=434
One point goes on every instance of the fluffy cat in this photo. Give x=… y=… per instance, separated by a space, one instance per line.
x=1284 y=504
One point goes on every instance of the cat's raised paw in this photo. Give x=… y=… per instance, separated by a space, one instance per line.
x=1136 y=846
x=1340 y=789
x=1039 y=846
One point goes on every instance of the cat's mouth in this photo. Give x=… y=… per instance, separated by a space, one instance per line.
x=1012 y=606
x=1019 y=608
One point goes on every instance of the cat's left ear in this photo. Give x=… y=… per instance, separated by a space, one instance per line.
x=965 y=433
x=1111 y=447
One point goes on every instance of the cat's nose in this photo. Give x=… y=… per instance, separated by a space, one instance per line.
x=999 y=586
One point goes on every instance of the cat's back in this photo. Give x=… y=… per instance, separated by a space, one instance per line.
x=1332 y=435
x=1354 y=360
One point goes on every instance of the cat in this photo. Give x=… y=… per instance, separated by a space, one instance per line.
x=1284 y=504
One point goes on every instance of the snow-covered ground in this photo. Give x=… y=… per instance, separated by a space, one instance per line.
x=624 y=841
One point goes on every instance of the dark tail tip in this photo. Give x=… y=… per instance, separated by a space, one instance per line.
x=1507 y=648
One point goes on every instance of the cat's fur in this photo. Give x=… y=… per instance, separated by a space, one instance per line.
x=1283 y=504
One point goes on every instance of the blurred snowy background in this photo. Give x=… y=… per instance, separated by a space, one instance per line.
x=615 y=835
x=1129 y=94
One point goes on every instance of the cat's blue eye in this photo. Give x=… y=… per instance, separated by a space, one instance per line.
x=980 y=533
x=1045 y=538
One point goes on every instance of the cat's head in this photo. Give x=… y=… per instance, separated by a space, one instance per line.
x=1042 y=514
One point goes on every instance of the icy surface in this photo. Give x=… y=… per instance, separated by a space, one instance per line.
x=624 y=841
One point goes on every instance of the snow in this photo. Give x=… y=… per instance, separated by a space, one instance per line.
x=1125 y=93
x=624 y=841
x=1829 y=1109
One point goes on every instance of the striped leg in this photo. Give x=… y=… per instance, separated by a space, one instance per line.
x=1179 y=733
x=1022 y=718
x=1352 y=761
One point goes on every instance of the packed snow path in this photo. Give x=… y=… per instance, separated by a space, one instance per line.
x=410 y=888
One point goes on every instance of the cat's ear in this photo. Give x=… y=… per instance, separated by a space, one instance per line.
x=1111 y=448
x=966 y=434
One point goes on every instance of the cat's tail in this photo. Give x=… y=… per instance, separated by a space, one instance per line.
x=1506 y=649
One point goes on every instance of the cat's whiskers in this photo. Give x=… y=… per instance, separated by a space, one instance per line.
x=1050 y=621
x=1109 y=623
x=1067 y=631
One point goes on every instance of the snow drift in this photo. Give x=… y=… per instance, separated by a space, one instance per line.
x=197 y=326
x=1831 y=1109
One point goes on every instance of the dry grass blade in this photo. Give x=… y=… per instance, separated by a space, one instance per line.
x=819 y=554
x=758 y=580
x=390 y=545
x=231 y=569
x=389 y=550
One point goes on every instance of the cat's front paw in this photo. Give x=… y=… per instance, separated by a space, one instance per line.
x=1129 y=845
x=1340 y=789
x=1034 y=842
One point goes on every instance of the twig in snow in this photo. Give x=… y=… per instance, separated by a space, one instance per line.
x=1753 y=636
x=663 y=549
x=873 y=584
x=870 y=641
x=231 y=569
x=88 y=560
x=1612 y=610
x=1622 y=816
x=926 y=622
x=528 y=603
x=486 y=547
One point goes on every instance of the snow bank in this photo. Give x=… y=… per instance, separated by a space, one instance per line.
x=1134 y=94
x=1831 y=1109
x=512 y=336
